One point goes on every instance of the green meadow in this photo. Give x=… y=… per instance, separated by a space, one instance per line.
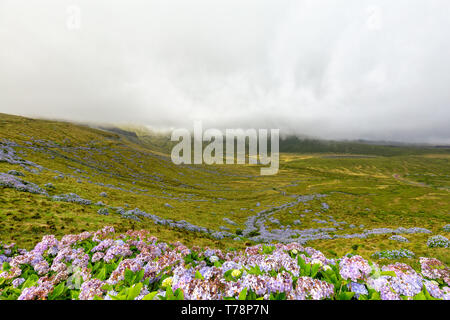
x=408 y=188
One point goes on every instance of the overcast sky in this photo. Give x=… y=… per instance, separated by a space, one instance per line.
x=330 y=69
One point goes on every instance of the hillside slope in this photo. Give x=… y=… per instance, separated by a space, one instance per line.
x=61 y=178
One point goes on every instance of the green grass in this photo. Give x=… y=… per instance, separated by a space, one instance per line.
x=398 y=190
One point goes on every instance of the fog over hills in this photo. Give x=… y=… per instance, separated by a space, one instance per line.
x=161 y=141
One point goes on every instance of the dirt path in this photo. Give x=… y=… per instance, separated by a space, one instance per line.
x=415 y=183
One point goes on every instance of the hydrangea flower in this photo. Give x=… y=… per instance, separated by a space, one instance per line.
x=433 y=289
x=434 y=269
x=358 y=288
x=90 y=289
x=354 y=268
x=213 y=259
x=17 y=282
x=407 y=282
x=381 y=285
x=309 y=288
x=281 y=283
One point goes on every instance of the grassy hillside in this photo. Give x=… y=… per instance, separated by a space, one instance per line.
x=329 y=200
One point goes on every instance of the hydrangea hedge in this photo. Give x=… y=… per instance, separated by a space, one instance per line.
x=135 y=265
x=394 y=254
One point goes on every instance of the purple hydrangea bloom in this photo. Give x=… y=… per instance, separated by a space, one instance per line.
x=354 y=268
x=358 y=288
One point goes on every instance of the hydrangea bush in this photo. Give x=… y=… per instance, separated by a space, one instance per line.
x=11 y=181
x=398 y=238
x=103 y=211
x=394 y=254
x=136 y=266
x=71 y=197
x=438 y=242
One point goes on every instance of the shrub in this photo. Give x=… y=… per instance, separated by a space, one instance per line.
x=398 y=238
x=438 y=242
x=393 y=254
x=103 y=211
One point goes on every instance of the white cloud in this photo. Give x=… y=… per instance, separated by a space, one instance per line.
x=369 y=69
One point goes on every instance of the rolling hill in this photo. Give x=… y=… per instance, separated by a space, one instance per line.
x=60 y=178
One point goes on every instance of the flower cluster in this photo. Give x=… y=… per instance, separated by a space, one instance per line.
x=438 y=242
x=406 y=282
x=71 y=197
x=398 y=238
x=308 y=288
x=394 y=254
x=16 y=173
x=354 y=268
x=11 y=181
x=435 y=270
x=135 y=265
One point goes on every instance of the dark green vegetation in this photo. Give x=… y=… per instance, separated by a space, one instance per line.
x=294 y=144
x=380 y=189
